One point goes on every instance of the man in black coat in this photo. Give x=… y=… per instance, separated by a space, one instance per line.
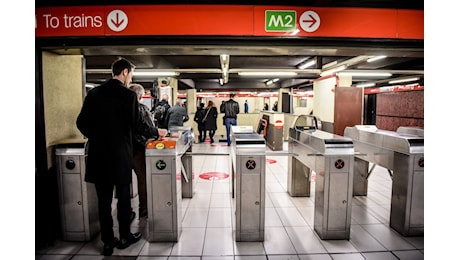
x=109 y=115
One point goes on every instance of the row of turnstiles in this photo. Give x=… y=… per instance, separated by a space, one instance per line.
x=341 y=164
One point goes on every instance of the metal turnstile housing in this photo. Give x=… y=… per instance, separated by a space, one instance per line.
x=331 y=157
x=248 y=161
x=164 y=184
x=77 y=198
x=403 y=154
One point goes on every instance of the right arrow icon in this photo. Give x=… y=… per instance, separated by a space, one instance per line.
x=309 y=21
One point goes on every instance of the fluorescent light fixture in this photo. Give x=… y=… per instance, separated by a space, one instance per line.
x=365 y=85
x=156 y=73
x=403 y=80
x=365 y=74
x=332 y=71
x=271 y=81
x=376 y=58
x=267 y=73
x=306 y=64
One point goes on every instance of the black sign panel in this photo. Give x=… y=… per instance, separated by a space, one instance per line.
x=251 y=164
x=160 y=164
x=339 y=164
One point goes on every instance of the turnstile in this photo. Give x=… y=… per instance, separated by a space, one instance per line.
x=248 y=162
x=331 y=157
x=412 y=130
x=164 y=184
x=77 y=198
x=404 y=155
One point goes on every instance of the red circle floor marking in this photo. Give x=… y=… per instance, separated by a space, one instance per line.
x=270 y=161
x=214 y=176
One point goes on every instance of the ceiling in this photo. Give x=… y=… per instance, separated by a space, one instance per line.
x=200 y=67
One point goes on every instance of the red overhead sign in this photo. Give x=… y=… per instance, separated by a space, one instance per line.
x=233 y=20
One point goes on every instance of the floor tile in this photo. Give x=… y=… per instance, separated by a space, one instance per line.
x=195 y=217
x=220 y=217
x=390 y=239
x=283 y=257
x=281 y=200
x=271 y=218
x=315 y=257
x=220 y=200
x=218 y=242
x=251 y=257
x=277 y=241
x=248 y=248
x=338 y=246
x=379 y=256
x=363 y=241
x=409 y=255
x=291 y=217
x=305 y=241
x=355 y=256
x=157 y=249
x=190 y=242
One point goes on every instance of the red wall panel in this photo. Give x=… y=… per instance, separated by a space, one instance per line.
x=400 y=109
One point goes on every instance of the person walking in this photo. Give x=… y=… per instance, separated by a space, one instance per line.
x=246 y=107
x=231 y=108
x=108 y=118
x=176 y=115
x=210 y=119
x=146 y=130
x=199 y=115
x=160 y=111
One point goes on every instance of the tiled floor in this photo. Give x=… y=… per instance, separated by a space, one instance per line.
x=208 y=224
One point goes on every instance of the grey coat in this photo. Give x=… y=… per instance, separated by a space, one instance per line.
x=176 y=116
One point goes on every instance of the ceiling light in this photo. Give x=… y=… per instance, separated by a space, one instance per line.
x=365 y=74
x=365 y=85
x=332 y=71
x=267 y=73
x=376 y=58
x=156 y=73
x=403 y=80
x=306 y=64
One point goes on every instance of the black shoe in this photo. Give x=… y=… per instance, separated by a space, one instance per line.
x=107 y=250
x=132 y=217
x=131 y=239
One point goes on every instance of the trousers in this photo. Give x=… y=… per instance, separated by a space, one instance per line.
x=228 y=123
x=140 y=170
x=104 y=193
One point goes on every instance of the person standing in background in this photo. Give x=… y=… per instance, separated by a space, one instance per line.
x=246 y=107
x=160 y=111
x=108 y=118
x=231 y=109
x=145 y=131
x=176 y=115
x=199 y=115
x=210 y=120
x=275 y=106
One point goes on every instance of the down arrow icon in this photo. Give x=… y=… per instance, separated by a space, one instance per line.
x=117 y=20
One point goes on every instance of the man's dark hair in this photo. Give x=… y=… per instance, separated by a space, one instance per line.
x=121 y=64
x=232 y=95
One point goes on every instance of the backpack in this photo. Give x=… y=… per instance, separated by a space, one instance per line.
x=159 y=113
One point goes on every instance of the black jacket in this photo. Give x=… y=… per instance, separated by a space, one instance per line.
x=231 y=108
x=199 y=115
x=109 y=116
x=162 y=123
x=211 y=119
x=145 y=130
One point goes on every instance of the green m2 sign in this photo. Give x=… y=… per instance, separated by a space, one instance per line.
x=280 y=21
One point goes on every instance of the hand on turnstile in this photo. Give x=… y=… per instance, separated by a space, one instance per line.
x=162 y=133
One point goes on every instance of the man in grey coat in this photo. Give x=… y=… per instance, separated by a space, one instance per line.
x=108 y=118
x=177 y=115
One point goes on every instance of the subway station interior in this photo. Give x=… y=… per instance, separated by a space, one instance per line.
x=334 y=171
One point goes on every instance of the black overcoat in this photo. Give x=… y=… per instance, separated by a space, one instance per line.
x=109 y=115
x=211 y=119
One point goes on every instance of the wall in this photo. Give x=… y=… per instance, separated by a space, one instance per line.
x=63 y=98
x=323 y=107
x=400 y=109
